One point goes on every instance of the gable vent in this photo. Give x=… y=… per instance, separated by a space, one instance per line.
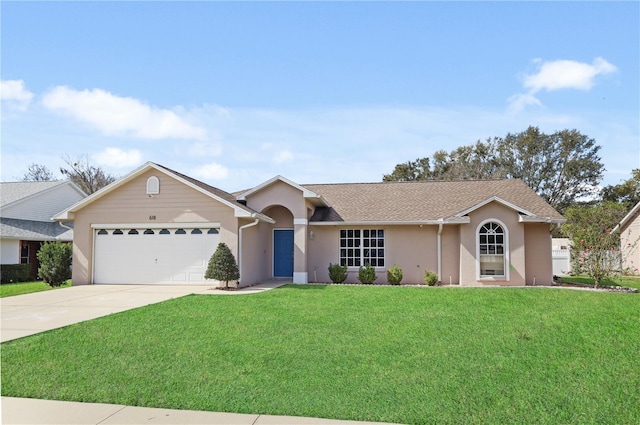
x=153 y=185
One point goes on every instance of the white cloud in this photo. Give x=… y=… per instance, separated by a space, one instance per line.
x=117 y=158
x=558 y=75
x=567 y=74
x=14 y=92
x=211 y=171
x=282 y=156
x=115 y=115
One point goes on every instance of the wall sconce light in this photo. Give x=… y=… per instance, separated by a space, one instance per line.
x=311 y=235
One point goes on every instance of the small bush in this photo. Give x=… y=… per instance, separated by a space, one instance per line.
x=12 y=273
x=222 y=265
x=55 y=262
x=430 y=278
x=367 y=274
x=394 y=275
x=337 y=273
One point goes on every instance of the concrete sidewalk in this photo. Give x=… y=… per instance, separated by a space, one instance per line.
x=36 y=412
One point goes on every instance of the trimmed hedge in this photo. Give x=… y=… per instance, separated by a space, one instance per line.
x=12 y=273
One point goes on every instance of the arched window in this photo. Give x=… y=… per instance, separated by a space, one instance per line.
x=153 y=185
x=492 y=249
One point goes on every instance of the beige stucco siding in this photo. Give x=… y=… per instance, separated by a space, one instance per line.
x=515 y=268
x=176 y=203
x=450 y=242
x=630 y=241
x=255 y=247
x=279 y=193
x=413 y=248
x=538 y=258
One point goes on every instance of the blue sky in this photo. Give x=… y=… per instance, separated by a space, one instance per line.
x=235 y=93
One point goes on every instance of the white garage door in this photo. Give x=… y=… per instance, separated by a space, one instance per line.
x=153 y=255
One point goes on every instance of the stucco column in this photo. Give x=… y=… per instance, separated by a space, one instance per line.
x=300 y=250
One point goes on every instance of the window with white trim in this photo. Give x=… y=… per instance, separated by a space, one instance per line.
x=361 y=246
x=491 y=245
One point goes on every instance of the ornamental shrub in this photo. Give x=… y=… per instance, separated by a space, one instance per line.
x=367 y=274
x=12 y=273
x=394 y=275
x=55 y=262
x=222 y=266
x=337 y=273
x=430 y=278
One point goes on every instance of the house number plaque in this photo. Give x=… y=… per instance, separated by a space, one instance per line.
x=152 y=217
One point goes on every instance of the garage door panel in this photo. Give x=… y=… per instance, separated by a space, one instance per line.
x=156 y=257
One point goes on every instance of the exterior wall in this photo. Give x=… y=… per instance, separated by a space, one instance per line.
x=538 y=257
x=43 y=206
x=630 y=241
x=450 y=240
x=9 y=251
x=413 y=248
x=176 y=203
x=281 y=194
x=515 y=267
x=254 y=262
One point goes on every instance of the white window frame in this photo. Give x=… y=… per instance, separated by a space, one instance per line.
x=360 y=244
x=506 y=256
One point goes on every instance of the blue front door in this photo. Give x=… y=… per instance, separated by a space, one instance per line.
x=283 y=253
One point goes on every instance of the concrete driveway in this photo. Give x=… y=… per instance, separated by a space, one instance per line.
x=29 y=314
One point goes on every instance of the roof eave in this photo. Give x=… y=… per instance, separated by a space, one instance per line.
x=461 y=220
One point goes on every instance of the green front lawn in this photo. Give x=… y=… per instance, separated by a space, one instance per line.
x=627 y=281
x=410 y=355
x=11 y=289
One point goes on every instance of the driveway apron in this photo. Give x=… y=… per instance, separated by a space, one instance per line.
x=29 y=314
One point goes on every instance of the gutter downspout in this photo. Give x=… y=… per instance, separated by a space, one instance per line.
x=240 y=246
x=440 y=226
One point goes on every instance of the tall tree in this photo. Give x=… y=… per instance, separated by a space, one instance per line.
x=561 y=167
x=627 y=193
x=87 y=177
x=38 y=173
x=410 y=171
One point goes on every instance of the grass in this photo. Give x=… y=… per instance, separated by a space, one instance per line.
x=11 y=289
x=410 y=355
x=628 y=281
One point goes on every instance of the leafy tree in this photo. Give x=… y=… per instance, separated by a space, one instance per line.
x=38 y=173
x=87 y=177
x=561 y=167
x=55 y=262
x=627 y=193
x=410 y=171
x=222 y=265
x=594 y=247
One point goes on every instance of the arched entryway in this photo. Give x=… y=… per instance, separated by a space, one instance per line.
x=282 y=247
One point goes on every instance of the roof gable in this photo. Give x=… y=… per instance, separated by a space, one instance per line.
x=628 y=218
x=38 y=201
x=315 y=198
x=210 y=191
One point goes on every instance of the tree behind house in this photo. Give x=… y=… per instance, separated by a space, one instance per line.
x=222 y=265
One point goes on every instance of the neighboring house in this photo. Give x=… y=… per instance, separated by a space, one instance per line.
x=629 y=229
x=26 y=209
x=158 y=226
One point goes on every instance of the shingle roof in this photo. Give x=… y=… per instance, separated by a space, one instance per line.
x=12 y=228
x=421 y=201
x=14 y=191
x=213 y=190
